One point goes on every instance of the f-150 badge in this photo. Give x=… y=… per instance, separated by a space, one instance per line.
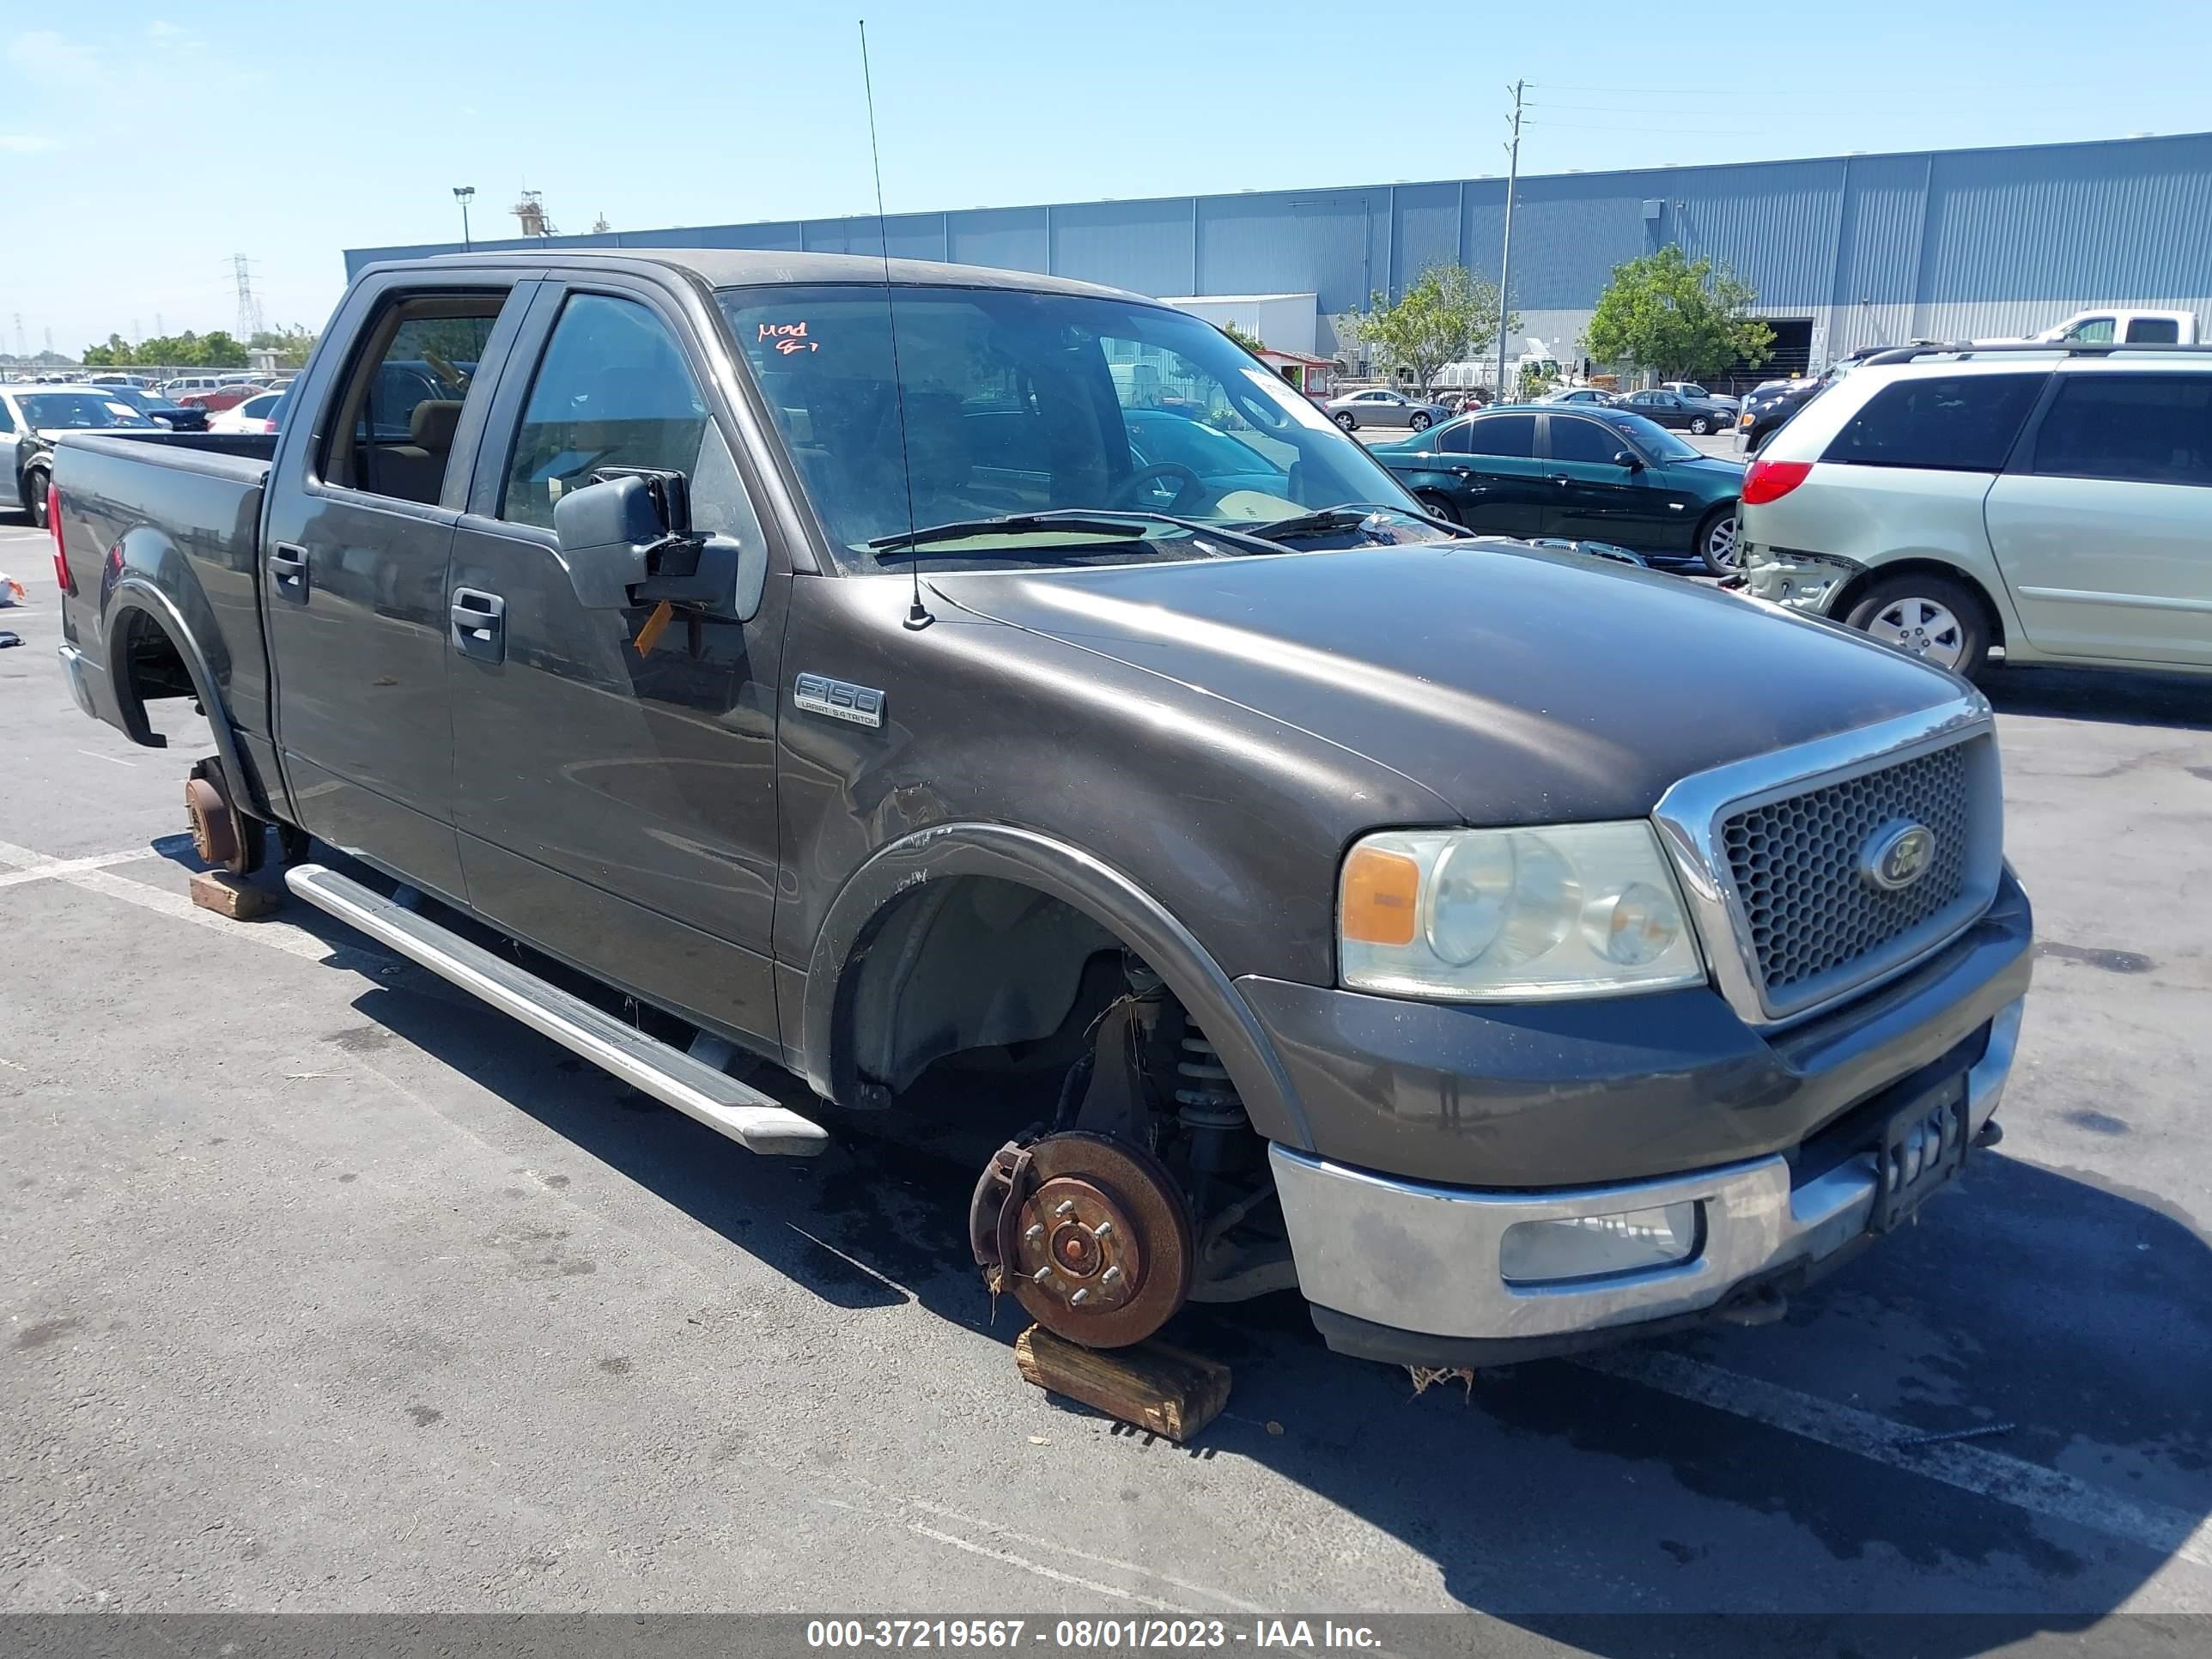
x=839 y=699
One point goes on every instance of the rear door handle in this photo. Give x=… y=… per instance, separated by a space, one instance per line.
x=479 y=622
x=1561 y=479
x=287 y=568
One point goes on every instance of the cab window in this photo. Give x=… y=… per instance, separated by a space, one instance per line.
x=613 y=390
x=402 y=404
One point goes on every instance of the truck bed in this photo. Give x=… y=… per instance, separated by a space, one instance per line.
x=184 y=508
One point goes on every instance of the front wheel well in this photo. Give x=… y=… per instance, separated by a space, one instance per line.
x=973 y=965
x=1856 y=588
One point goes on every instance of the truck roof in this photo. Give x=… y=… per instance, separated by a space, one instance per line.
x=748 y=268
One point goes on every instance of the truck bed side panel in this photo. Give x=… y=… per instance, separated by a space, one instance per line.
x=187 y=518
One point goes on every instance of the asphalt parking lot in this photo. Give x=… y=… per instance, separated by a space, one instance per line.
x=326 y=1288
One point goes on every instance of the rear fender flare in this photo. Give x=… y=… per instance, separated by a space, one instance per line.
x=1078 y=879
x=134 y=592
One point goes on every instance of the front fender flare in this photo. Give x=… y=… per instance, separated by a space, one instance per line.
x=1076 y=877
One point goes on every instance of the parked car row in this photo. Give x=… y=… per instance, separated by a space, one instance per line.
x=34 y=414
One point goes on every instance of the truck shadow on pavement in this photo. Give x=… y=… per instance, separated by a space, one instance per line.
x=2067 y=1324
x=2180 y=701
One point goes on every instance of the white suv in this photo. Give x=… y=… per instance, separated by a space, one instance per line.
x=2040 y=503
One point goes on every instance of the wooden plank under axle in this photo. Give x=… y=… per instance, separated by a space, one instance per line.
x=228 y=896
x=1170 y=1391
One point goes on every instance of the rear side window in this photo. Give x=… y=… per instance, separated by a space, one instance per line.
x=1506 y=435
x=394 y=434
x=7 y=418
x=2142 y=428
x=1962 y=423
x=2155 y=331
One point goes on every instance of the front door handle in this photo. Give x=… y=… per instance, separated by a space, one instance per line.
x=1561 y=479
x=479 y=621
x=287 y=568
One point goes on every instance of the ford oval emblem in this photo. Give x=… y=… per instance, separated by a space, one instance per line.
x=1896 y=856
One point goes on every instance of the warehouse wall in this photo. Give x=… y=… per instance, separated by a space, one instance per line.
x=1869 y=248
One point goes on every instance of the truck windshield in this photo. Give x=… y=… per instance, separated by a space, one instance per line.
x=1024 y=403
x=55 y=411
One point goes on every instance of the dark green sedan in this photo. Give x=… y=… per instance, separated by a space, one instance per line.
x=1601 y=475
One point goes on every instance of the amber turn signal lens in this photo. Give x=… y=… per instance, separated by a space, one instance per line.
x=1382 y=897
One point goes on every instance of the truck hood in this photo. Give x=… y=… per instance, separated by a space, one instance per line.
x=1520 y=686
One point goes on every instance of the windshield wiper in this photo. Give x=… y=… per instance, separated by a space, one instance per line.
x=1008 y=524
x=1078 y=520
x=1343 y=517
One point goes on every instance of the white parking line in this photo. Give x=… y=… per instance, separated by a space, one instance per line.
x=91 y=875
x=1971 y=1468
x=52 y=869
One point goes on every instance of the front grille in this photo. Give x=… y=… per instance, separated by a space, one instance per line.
x=1811 y=916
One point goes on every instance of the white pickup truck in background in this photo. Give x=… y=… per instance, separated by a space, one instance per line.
x=2114 y=325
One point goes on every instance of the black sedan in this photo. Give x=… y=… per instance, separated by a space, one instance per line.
x=163 y=411
x=1677 y=412
x=1602 y=475
x=35 y=416
x=1674 y=410
x=1765 y=407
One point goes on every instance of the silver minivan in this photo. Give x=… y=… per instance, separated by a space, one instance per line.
x=2031 y=503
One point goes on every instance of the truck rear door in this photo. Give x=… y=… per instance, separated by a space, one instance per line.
x=614 y=770
x=360 y=526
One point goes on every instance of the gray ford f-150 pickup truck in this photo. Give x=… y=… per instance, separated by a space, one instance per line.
x=892 y=669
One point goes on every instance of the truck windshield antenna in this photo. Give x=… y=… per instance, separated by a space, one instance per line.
x=917 y=615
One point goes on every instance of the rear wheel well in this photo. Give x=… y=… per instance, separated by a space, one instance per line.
x=1856 y=589
x=147 y=664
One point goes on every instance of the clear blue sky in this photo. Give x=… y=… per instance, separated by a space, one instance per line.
x=143 y=145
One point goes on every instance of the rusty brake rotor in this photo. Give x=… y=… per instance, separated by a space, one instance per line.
x=1093 y=1237
x=215 y=831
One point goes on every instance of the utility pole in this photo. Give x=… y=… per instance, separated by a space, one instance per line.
x=1505 y=272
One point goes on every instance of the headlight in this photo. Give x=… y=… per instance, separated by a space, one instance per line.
x=1495 y=915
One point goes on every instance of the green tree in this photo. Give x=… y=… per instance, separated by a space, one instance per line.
x=290 y=344
x=1687 y=319
x=1447 y=316
x=1251 y=343
x=115 y=353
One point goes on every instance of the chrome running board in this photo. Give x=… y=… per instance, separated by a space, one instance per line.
x=753 y=1119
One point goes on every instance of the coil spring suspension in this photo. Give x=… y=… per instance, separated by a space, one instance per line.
x=1207 y=1102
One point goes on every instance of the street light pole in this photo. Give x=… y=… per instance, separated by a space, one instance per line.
x=1505 y=272
x=463 y=194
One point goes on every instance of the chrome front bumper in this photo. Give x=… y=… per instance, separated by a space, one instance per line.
x=1426 y=1259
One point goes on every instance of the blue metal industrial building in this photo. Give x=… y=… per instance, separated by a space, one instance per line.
x=1843 y=251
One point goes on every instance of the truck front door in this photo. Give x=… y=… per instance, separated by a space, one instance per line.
x=360 y=526
x=616 y=773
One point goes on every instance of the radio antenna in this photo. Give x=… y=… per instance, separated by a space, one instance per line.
x=917 y=615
